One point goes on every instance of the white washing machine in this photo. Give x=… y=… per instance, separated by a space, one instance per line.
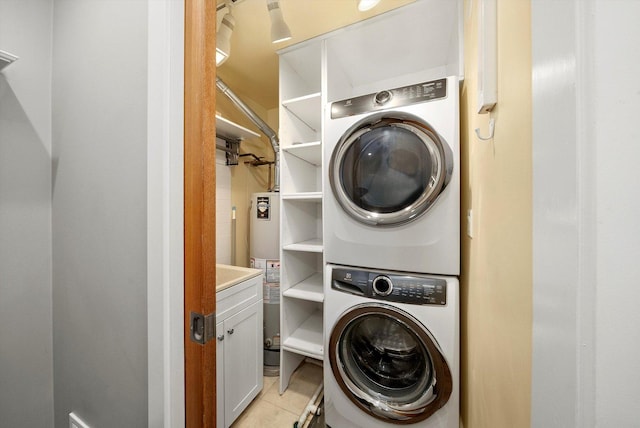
x=392 y=342
x=392 y=179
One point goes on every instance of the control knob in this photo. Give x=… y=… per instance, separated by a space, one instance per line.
x=382 y=97
x=382 y=285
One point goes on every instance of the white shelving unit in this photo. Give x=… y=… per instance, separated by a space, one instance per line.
x=301 y=280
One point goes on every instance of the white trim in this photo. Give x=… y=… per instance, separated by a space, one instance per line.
x=564 y=255
x=585 y=406
x=165 y=294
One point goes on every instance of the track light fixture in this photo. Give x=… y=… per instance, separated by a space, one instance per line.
x=279 y=29
x=223 y=38
x=364 y=5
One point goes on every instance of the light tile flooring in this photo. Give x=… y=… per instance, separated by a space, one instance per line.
x=272 y=410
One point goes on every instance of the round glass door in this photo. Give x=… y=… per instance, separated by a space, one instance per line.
x=388 y=364
x=389 y=168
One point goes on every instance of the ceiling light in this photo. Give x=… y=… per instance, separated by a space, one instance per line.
x=223 y=39
x=279 y=29
x=364 y=5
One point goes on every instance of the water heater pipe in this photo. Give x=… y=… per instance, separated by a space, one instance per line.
x=261 y=124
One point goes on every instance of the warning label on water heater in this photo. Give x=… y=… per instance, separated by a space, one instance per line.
x=271 y=279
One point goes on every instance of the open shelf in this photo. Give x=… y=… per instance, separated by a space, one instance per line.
x=306 y=108
x=309 y=152
x=312 y=246
x=227 y=129
x=307 y=289
x=303 y=196
x=307 y=339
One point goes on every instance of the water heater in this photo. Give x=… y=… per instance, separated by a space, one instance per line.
x=264 y=252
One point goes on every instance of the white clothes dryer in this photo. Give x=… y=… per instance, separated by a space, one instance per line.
x=392 y=179
x=392 y=342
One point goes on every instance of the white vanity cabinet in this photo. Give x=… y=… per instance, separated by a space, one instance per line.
x=239 y=356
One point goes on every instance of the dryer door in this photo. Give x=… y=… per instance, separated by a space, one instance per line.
x=389 y=168
x=389 y=364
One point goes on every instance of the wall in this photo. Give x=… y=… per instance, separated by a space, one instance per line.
x=246 y=179
x=615 y=103
x=99 y=212
x=496 y=274
x=585 y=133
x=26 y=369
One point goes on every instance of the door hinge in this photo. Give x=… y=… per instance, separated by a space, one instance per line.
x=202 y=327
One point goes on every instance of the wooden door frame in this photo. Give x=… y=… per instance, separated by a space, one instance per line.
x=199 y=206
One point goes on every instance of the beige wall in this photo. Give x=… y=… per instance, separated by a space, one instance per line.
x=496 y=279
x=246 y=179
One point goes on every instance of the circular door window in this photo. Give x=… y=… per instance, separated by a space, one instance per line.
x=389 y=168
x=388 y=364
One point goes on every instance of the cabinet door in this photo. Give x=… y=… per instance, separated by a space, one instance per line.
x=220 y=374
x=243 y=355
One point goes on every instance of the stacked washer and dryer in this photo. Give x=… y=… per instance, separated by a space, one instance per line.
x=391 y=239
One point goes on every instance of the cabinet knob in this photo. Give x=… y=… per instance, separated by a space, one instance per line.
x=230 y=331
x=221 y=337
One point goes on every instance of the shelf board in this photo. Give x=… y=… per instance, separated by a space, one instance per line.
x=307 y=289
x=302 y=196
x=311 y=246
x=309 y=152
x=307 y=109
x=230 y=130
x=307 y=339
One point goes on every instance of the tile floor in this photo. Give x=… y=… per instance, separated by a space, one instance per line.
x=272 y=410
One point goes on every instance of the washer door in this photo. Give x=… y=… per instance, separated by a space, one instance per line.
x=389 y=364
x=389 y=168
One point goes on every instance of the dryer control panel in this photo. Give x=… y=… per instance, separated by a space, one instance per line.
x=390 y=98
x=391 y=287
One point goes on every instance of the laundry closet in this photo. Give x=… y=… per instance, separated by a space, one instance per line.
x=404 y=235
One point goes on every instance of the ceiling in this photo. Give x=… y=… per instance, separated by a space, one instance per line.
x=252 y=69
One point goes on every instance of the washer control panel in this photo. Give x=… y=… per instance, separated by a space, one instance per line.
x=390 y=98
x=392 y=287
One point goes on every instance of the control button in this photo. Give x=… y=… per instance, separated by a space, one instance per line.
x=382 y=285
x=382 y=97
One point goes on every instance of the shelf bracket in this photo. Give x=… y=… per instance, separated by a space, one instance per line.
x=232 y=150
x=232 y=155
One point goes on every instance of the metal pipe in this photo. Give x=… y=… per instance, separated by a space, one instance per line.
x=261 y=124
x=233 y=235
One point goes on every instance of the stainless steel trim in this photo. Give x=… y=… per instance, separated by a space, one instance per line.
x=442 y=156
